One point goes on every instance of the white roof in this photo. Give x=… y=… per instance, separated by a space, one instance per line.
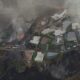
x=58 y=16
x=39 y=57
x=58 y=32
x=47 y=30
x=35 y=40
x=55 y=16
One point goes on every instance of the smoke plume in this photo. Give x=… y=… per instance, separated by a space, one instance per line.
x=16 y=12
x=73 y=7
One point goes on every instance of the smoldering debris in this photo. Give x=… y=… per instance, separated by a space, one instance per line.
x=43 y=54
x=36 y=33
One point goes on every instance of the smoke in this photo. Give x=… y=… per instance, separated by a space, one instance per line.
x=32 y=8
x=73 y=7
x=16 y=12
x=28 y=8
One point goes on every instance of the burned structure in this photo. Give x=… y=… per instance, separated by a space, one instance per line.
x=50 y=42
